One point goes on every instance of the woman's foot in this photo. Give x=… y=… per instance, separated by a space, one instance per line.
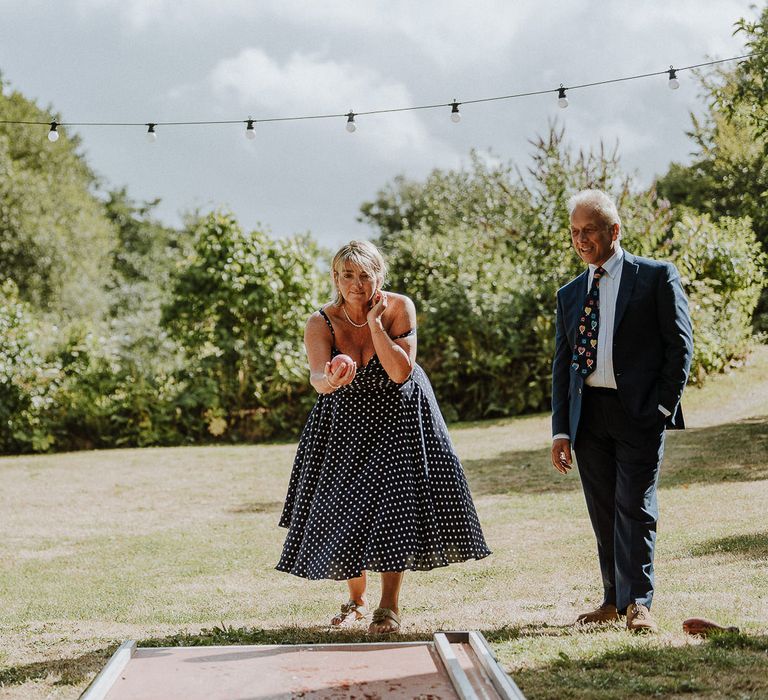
x=385 y=621
x=350 y=613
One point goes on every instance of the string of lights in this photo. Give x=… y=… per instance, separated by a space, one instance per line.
x=250 y=131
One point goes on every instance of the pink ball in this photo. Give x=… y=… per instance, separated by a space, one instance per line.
x=339 y=360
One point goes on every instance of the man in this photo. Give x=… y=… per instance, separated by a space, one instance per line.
x=623 y=349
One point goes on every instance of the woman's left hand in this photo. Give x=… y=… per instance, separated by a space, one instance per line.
x=379 y=306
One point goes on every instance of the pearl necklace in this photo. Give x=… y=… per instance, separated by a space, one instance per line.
x=356 y=325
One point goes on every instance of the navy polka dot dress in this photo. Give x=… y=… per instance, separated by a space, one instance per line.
x=376 y=484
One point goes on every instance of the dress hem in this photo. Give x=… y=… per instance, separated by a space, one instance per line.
x=476 y=557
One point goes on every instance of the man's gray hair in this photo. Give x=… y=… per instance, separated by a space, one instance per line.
x=599 y=202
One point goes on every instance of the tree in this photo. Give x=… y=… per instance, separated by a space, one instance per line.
x=729 y=172
x=143 y=263
x=27 y=380
x=49 y=215
x=728 y=176
x=750 y=82
x=238 y=307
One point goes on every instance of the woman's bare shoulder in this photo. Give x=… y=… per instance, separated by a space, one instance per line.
x=403 y=313
x=399 y=301
x=316 y=321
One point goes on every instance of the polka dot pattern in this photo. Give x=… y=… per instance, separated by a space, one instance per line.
x=376 y=484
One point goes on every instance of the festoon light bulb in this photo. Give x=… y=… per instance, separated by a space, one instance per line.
x=673 y=83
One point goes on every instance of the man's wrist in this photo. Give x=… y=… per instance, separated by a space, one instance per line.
x=561 y=436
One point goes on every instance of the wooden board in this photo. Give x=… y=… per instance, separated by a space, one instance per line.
x=455 y=665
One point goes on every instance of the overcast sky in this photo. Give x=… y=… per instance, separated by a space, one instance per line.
x=168 y=60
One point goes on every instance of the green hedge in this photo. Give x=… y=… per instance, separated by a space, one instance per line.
x=215 y=354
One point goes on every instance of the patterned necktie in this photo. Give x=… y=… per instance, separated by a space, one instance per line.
x=585 y=351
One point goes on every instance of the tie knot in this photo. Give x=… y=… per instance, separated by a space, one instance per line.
x=599 y=272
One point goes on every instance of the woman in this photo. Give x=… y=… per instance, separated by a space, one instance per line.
x=376 y=484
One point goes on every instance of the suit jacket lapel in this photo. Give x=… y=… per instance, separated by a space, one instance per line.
x=576 y=305
x=628 y=276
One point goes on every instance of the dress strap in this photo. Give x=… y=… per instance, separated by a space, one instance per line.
x=328 y=321
x=405 y=335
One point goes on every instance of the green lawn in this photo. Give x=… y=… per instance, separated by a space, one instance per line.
x=176 y=546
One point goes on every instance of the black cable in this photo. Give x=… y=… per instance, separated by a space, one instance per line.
x=395 y=109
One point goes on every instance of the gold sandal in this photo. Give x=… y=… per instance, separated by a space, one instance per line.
x=350 y=613
x=381 y=615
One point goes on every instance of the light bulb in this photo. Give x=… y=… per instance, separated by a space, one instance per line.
x=151 y=135
x=351 y=126
x=673 y=83
x=250 y=132
x=562 y=100
x=53 y=135
x=455 y=114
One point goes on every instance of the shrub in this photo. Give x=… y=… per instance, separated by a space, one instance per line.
x=27 y=381
x=104 y=399
x=722 y=270
x=237 y=309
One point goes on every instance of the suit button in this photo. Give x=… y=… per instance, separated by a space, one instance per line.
x=579 y=391
x=618 y=374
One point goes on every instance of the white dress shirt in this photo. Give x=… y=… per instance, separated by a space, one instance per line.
x=609 y=291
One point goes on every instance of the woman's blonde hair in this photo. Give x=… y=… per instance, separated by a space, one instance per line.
x=363 y=254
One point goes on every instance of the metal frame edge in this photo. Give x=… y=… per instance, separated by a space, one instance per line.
x=455 y=672
x=505 y=686
x=102 y=684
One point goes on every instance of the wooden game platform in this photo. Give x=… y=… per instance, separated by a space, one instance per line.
x=452 y=665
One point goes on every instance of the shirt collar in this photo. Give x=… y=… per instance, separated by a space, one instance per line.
x=612 y=265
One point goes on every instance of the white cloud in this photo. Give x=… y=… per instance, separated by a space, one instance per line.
x=309 y=84
x=136 y=14
x=704 y=25
x=446 y=31
x=453 y=33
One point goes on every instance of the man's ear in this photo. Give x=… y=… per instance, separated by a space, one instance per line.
x=616 y=231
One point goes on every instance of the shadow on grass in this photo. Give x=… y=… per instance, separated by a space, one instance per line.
x=280 y=635
x=258 y=507
x=725 y=665
x=752 y=545
x=509 y=633
x=722 y=453
x=520 y=471
x=66 y=671
x=729 y=452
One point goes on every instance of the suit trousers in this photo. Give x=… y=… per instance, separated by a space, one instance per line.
x=619 y=461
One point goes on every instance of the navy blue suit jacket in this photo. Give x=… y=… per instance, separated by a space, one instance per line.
x=652 y=345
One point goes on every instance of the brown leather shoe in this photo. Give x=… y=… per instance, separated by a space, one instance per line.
x=639 y=619
x=605 y=613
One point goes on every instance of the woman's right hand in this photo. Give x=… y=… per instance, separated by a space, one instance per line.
x=343 y=375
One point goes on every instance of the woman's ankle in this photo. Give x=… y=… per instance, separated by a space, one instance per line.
x=394 y=607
